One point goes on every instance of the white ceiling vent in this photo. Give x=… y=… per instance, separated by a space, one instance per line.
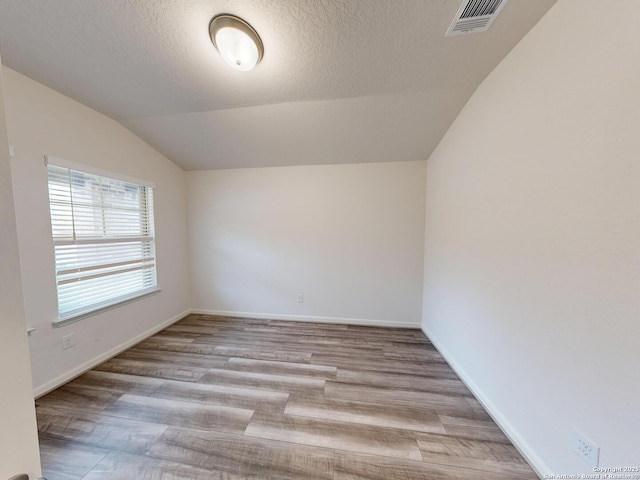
x=475 y=16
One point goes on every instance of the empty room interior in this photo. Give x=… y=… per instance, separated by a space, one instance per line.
x=304 y=239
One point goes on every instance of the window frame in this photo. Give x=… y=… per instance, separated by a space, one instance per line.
x=147 y=239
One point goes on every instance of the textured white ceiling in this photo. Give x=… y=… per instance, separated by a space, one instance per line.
x=341 y=81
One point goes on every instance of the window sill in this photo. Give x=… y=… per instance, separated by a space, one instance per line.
x=110 y=306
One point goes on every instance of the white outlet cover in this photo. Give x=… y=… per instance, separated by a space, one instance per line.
x=68 y=341
x=585 y=448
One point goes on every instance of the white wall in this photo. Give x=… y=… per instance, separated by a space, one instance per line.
x=42 y=121
x=348 y=237
x=18 y=435
x=532 y=264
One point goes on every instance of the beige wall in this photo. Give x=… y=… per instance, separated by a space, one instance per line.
x=42 y=121
x=532 y=263
x=18 y=435
x=348 y=237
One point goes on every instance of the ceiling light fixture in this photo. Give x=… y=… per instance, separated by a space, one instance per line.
x=237 y=41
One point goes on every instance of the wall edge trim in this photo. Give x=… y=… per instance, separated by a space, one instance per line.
x=88 y=365
x=308 y=318
x=525 y=449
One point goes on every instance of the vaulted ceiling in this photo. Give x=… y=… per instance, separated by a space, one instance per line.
x=341 y=81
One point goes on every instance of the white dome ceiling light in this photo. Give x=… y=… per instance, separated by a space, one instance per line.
x=237 y=41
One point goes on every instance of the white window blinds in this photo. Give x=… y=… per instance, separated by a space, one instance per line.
x=103 y=237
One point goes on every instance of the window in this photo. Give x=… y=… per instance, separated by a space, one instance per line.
x=103 y=238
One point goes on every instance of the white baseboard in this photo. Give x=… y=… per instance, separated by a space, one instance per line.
x=309 y=318
x=80 y=369
x=505 y=425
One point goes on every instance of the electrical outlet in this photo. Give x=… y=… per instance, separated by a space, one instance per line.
x=68 y=341
x=585 y=449
x=300 y=298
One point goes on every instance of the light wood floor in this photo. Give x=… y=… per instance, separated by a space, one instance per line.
x=221 y=398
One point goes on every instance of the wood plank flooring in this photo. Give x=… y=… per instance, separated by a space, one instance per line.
x=217 y=398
